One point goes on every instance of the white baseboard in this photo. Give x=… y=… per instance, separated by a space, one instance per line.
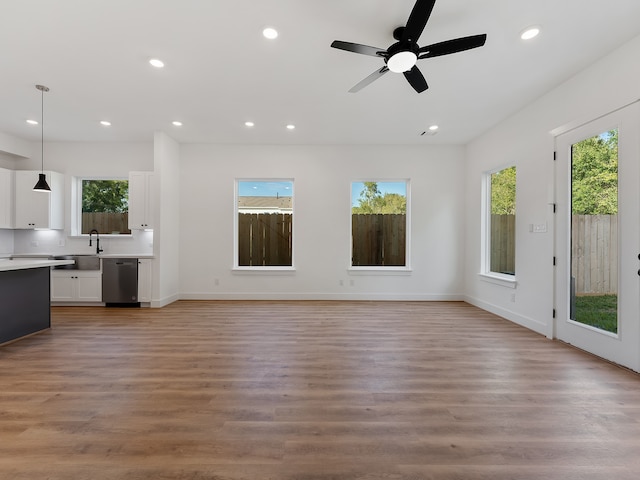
x=527 y=322
x=163 y=302
x=325 y=296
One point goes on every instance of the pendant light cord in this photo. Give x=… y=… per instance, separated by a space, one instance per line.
x=42 y=131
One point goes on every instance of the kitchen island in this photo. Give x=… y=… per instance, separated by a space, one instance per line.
x=25 y=305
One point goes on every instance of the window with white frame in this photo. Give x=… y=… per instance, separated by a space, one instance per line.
x=379 y=223
x=500 y=222
x=264 y=223
x=103 y=206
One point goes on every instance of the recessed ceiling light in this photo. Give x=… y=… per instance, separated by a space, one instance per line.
x=105 y=123
x=433 y=128
x=249 y=124
x=177 y=123
x=291 y=126
x=156 y=63
x=270 y=33
x=530 y=32
x=32 y=122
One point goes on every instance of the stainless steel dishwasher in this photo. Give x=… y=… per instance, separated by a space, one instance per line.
x=120 y=282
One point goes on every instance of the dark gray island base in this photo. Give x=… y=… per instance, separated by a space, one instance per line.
x=25 y=305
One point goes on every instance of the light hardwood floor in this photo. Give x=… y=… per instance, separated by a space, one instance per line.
x=309 y=391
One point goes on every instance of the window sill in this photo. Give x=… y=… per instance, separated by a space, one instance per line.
x=507 y=281
x=379 y=271
x=264 y=270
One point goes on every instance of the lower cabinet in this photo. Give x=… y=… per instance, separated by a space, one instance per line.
x=144 y=280
x=76 y=286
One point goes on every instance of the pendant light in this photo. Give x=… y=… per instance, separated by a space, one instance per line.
x=42 y=185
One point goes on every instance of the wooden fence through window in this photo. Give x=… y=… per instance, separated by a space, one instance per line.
x=105 y=223
x=503 y=244
x=378 y=239
x=265 y=239
x=594 y=252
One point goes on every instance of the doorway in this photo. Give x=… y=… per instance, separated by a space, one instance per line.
x=598 y=237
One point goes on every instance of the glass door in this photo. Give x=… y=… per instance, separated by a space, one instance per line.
x=598 y=239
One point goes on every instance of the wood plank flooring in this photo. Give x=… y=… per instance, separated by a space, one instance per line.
x=309 y=391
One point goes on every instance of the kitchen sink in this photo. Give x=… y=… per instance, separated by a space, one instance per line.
x=82 y=262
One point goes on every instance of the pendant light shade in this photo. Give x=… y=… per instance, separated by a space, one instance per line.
x=42 y=185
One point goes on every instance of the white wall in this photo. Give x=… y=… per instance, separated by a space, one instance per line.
x=322 y=179
x=526 y=140
x=167 y=220
x=85 y=159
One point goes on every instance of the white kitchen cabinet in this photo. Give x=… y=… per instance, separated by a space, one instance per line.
x=144 y=279
x=76 y=286
x=38 y=209
x=6 y=198
x=141 y=200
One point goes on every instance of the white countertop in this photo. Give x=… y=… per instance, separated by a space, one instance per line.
x=7 y=265
x=17 y=256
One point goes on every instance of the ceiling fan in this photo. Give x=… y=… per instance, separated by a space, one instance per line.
x=401 y=57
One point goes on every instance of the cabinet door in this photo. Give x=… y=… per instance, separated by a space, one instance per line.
x=144 y=280
x=6 y=198
x=62 y=286
x=140 y=200
x=32 y=208
x=89 y=287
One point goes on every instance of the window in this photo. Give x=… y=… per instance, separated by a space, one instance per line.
x=500 y=222
x=264 y=223
x=379 y=224
x=104 y=206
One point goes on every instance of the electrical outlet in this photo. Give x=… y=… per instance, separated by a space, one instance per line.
x=341 y=283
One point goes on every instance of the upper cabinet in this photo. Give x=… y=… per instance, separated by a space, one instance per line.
x=38 y=209
x=6 y=198
x=141 y=200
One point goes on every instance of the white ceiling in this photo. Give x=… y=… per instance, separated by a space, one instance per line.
x=220 y=71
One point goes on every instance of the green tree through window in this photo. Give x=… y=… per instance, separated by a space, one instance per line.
x=105 y=206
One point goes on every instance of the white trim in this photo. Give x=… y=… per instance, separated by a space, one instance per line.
x=407 y=251
x=409 y=297
x=499 y=279
x=163 y=302
x=485 y=227
x=236 y=253
x=263 y=270
x=76 y=205
x=531 y=323
x=379 y=271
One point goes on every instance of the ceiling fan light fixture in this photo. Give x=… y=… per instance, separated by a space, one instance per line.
x=402 y=61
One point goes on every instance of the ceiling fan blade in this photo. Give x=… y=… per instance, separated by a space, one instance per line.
x=416 y=79
x=357 y=48
x=452 y=46
x=371 y=78
x=418 y=20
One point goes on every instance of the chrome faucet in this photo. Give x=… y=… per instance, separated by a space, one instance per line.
x=98 y=249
